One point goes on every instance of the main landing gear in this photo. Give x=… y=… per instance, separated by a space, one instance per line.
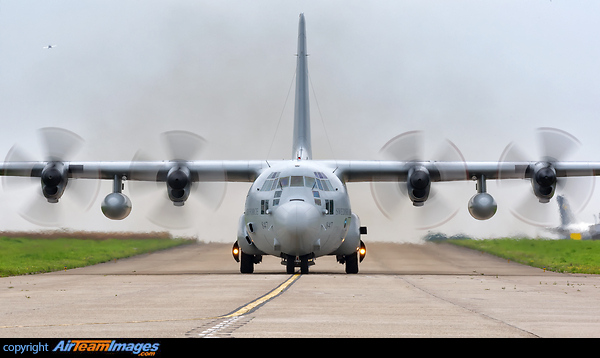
x=353 y=259
x=290 y=262
x=246 y=261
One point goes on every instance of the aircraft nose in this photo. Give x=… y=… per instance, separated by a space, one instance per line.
x=296 y=226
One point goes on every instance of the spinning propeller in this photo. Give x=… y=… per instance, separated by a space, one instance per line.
x=554 y=145
x=394 y=198
x=179 y=195
x=58 y=197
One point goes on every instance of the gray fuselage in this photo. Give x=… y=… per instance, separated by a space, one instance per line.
x=298 y=208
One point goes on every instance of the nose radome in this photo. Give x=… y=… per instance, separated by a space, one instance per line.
x=296 y=225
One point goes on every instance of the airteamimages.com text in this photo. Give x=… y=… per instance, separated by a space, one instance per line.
x=147 y=349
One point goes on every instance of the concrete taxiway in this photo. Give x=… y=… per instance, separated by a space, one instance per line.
x=402 y=290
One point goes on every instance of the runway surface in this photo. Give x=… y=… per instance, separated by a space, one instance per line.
x=402 y=290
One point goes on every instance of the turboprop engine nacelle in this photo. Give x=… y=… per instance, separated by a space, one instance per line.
x=543 y=181
x=54 y=181
x=418 y=184
x=178 y=185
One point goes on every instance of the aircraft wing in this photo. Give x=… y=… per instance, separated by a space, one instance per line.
x=417 y=177
x=179 y=177
x=373 y=171
x=348 y=171
x=234 y=171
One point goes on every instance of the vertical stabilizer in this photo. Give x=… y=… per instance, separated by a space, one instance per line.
x=566 y=215
x=302 y=147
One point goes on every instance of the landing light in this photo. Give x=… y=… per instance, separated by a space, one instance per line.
x=235 y=251
x=362 y=251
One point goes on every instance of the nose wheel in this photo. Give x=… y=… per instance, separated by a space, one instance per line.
x=290 y=264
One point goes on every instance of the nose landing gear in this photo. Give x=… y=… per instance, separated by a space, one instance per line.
x=291 y=262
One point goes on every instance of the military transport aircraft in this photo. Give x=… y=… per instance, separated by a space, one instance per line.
x=299 y=209
x=570 y=228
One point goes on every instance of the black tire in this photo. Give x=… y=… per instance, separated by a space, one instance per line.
x=352 y=263
x=246 y=263
x=304 y=264
x=290 y=266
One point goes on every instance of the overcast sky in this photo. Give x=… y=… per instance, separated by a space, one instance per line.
x=479 y=73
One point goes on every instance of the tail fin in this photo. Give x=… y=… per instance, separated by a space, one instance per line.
x=302 y=146
x=566 y=215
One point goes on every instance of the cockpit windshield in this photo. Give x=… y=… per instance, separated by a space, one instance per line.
x=319 y=182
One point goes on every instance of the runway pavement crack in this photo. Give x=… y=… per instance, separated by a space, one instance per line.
x=465 y=308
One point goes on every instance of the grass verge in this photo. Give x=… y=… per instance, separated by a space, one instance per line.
x=25 y=255
x=571 y=256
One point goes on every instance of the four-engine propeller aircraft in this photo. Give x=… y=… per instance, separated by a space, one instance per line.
x=299 y=209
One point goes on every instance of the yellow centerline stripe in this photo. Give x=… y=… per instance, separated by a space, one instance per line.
x=259 y=301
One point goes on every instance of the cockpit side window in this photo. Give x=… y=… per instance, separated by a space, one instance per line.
x=267 y=186
x=319 y=185
x=327 y=185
